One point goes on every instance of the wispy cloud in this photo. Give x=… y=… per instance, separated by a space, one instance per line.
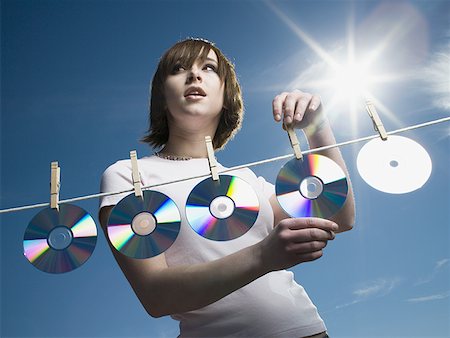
x=340 y=306
x=435 y=74
x=379 y=287
x=373 y=289
x=439 y=266
x=438 y=296
x=442 y=263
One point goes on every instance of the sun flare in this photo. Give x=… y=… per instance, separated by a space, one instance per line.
x=348 y=81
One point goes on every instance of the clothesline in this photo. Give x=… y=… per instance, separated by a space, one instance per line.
x=252 y=164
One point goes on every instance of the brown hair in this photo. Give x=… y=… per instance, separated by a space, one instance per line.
x=187 y=52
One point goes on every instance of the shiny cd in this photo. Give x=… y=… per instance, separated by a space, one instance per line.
x=60 y=241
x=222 y=210
x=144 y=227
x=313 y=187
x=398 y=165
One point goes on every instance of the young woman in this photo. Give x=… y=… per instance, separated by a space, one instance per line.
x=239 y=287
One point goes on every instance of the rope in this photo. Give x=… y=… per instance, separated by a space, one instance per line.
x=252 y=164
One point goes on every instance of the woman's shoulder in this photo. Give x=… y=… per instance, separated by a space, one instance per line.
x=244 y=173
x=124 y=165
x=148 y=165
x=118 y=167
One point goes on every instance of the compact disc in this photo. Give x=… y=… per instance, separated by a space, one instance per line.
x=398 y=165
x=222 y=210
x=60 y=241
x=313 y=187
x=144 y=227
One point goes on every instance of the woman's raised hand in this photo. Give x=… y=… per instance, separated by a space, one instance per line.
x=299 y=109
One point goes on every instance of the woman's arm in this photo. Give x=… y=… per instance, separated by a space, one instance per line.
x=165 y=290
x=324 y=136
x=304 y=111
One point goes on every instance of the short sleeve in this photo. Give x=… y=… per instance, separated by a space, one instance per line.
x=268 y=189
x=116 y=177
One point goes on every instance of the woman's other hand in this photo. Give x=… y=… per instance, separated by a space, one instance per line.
x=294 y=241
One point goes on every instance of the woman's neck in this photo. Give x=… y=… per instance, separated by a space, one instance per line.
x=185 y=144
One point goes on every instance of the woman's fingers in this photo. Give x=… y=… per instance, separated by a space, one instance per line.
x=277 y=106
x=295 y=108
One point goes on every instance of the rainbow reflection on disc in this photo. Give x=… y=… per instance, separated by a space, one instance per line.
x=222 y=210
x=144 y=227
x=313 y=187
x=60 y=241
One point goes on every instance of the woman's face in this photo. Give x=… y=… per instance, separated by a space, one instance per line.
x=195 y=95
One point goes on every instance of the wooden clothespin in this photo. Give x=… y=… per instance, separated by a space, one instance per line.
x=294 y=143
x=135 y=174
x=211 y=158
x=377 y=124
x=55 y=184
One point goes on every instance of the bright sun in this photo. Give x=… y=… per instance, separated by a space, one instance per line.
x=349 y=80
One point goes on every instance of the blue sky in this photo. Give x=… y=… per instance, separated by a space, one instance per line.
x=74 y=88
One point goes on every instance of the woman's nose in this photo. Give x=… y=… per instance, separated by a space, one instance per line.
x=194 y=75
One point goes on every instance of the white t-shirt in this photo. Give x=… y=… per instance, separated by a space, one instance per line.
x=273 y=305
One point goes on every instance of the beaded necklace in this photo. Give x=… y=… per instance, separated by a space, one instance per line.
x=173 y=157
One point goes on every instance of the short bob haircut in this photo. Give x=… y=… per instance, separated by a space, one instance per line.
x=186 y=52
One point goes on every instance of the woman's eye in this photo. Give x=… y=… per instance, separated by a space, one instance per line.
x=210 y=67
x=177 y=68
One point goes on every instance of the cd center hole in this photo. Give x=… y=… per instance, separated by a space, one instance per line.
x=222 y=207
x=60 y=238
x=393 y=164
x=143 y=223
x=312 y=187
